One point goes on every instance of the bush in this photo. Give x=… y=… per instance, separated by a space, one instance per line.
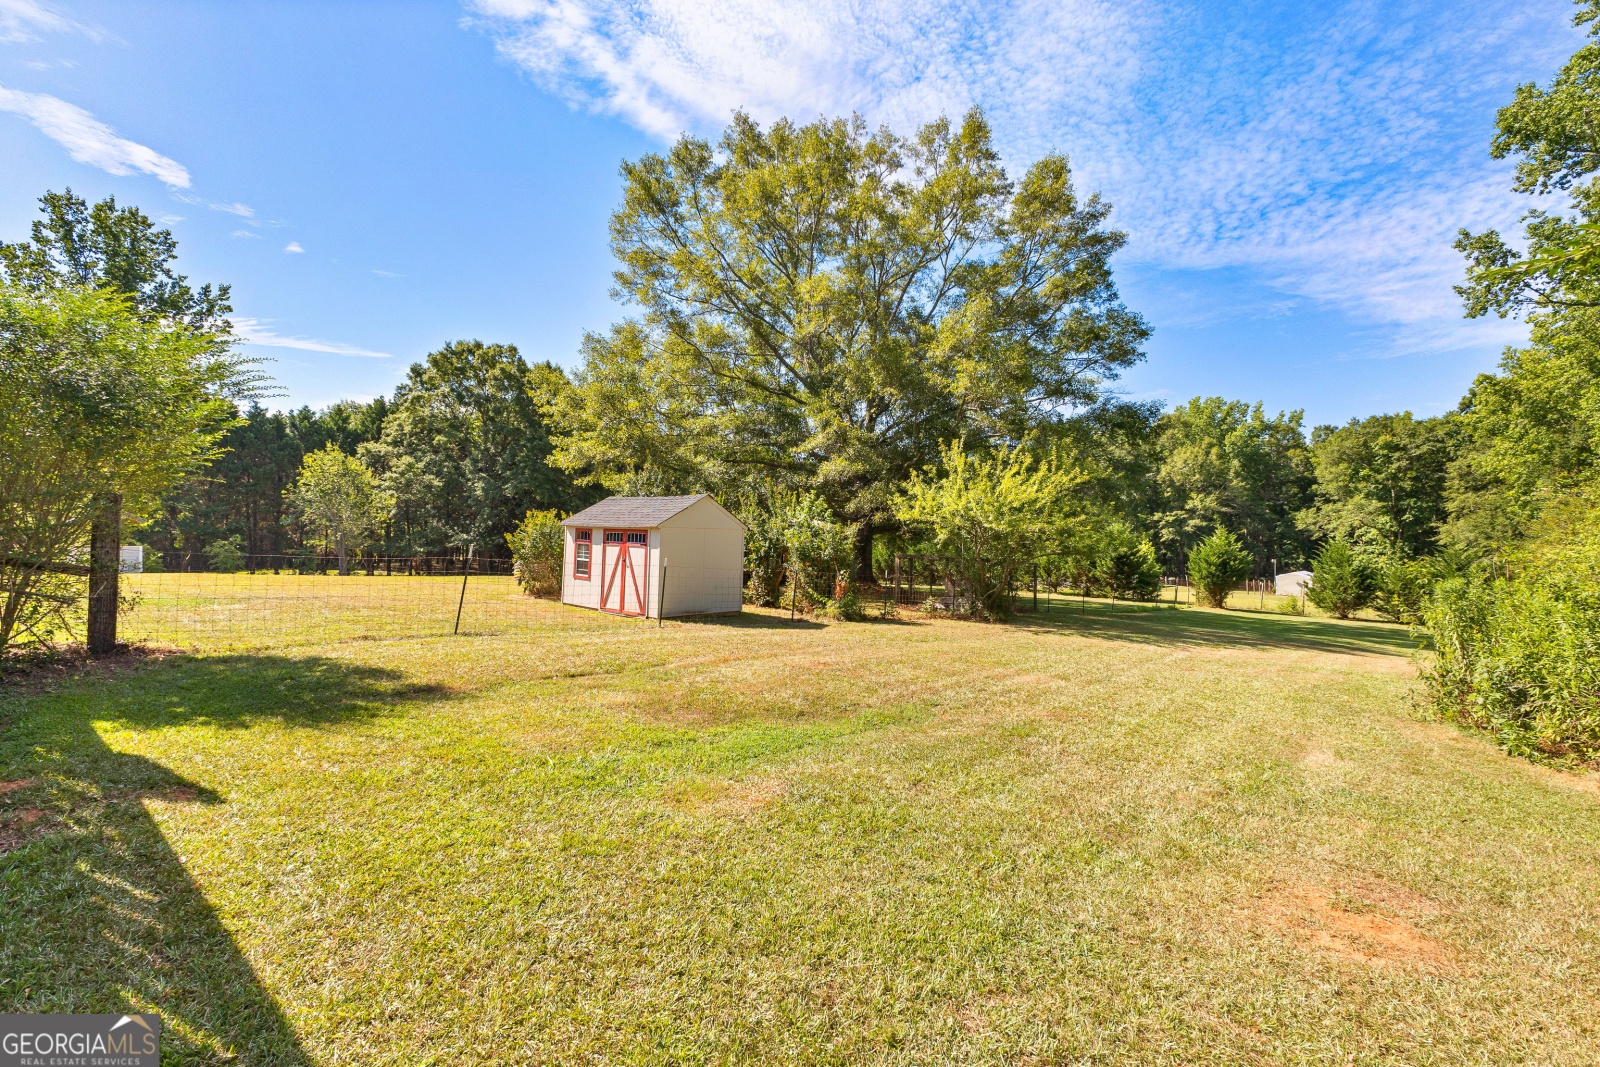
x=1399 y=588
x=226 y=556
x=537 y=546
x=819 y=550
x=1341 y=582
x=990 y=516
x=1216 y=566
x=765 y=552
x=1131 y=571
x=1519 y=656
x=1521 y=660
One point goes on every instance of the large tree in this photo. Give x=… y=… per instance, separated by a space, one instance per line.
x=1381 y=483
x=107 y=247
x=1530 y=434
x=825 y=307
x=464 y=449
x=1226 y=465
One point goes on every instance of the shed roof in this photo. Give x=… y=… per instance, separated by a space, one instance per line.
x=636 y=511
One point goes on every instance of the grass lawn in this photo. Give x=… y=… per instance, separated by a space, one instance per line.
x=1132 y=836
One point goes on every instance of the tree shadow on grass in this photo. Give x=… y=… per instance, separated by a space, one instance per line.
x=1228 y=629
x=99 y=913
x=750 y=620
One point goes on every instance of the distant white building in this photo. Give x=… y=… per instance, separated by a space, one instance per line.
x=1293 y=583
x=131 y=560
x=654 y=557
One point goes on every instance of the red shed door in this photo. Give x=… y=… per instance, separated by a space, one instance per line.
x=624 y=559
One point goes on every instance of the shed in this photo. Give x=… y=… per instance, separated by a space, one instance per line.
x=1293 y=583
x=632 y=555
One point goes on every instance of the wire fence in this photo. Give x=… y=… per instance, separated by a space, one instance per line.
x=288 y=600
x=291 y=599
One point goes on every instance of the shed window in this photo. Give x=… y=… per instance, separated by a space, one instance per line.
x=583 y=542
x=637 y=538
x=613 y=537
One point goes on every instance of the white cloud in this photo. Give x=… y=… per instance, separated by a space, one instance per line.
x=1334 y=150
x=246 y=233
x=255 y=332
x=293 y=246
x=386 y=273
x=88 y=140
x=24 y=20
x=244 y=211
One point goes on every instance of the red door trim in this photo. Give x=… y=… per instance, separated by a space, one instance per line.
x=624 y=562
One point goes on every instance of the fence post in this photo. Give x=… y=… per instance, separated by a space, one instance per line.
x=105 y=558
x=462 y=602
x=661 y=596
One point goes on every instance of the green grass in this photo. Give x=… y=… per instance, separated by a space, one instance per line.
x=1132 y=836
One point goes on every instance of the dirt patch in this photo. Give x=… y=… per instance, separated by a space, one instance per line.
x=1319 y=919
x=19 y=826
x=12 y=787
x=41 y=672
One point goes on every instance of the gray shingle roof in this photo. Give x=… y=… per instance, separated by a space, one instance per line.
x=635 y=511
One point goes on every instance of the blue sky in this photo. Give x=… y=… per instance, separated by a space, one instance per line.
x=376 y=179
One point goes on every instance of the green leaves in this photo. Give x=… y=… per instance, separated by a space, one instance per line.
x=94 y=399
x=337 y=494
x=823 y=307
x=988 y=516
x=1216 y=566
x=1341 y=581
x=1553 y=134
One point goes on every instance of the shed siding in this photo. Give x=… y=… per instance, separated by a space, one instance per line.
x=584 y=594
x=704 y=550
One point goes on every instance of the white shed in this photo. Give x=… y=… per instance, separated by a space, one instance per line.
x=1292 y=583
x=630 y=555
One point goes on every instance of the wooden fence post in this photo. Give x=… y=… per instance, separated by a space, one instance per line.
x=105 y=559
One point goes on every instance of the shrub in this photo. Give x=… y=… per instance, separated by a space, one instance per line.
x=1131 y=571
x=1341 y=582
x=765 y=552
x=1400 y=586
x=1519 y=656
x=537 y=546
x=989 y=516
x=1216 y=566
x=225 y=556
x=818 y=547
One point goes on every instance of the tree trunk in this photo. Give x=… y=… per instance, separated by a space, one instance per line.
x=344 y=558
x=105 y=556
x=863 y=553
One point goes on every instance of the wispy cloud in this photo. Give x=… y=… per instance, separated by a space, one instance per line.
x=246 y=233
x=293 y=247
x=244 y=211
x=25 y=20
x=256 y=332
x=88 y=140
x=386 y=273
x=1334 y=150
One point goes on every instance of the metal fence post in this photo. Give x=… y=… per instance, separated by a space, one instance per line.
x=462 y=602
